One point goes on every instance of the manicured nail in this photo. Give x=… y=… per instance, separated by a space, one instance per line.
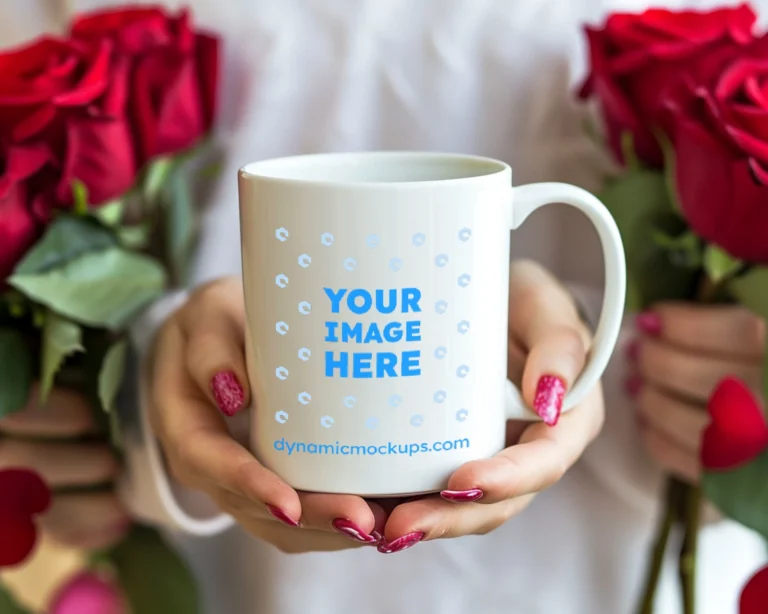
x=228 y=392
x=401 y=543
x=282 y=516
x=349 y=529
x=649 y=322
x=462 y=496
x=632 y=351
x=548 y=402
x=633 y=385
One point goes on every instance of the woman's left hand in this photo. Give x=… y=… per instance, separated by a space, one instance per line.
x=548 y=344
x=682 y=352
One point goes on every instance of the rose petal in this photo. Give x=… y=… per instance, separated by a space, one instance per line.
x=754 y=597
x=760 y=172
x=702 y=176
x=751 y=145
x=732 y=79
x=94 y=82
x=17 y=538
x=23 y=491
x=738 y=431
x=208 y=48
x=100 y=153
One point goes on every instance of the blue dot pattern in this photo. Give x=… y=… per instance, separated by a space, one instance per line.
x=395 y=264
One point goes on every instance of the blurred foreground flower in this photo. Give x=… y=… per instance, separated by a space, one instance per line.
x=88 y=593
x=23 y=495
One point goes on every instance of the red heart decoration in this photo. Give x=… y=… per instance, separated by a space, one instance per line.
x=23 y=494
x=754 y=597
x=738 y=431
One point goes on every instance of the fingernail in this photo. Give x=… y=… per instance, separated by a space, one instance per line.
x=548 y=402
x=401 y=543
x=228 y=392
x=349 y=529
x=462 y=496
x=282 y=516
x=632 y=351
x=649 y=322
x=632 y=385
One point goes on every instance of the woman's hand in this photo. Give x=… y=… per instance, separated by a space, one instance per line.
x=682 y=352
x=198 y=376
x=45 y=439
x=548 y=344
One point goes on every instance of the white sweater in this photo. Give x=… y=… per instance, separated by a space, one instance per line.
x=492 y=77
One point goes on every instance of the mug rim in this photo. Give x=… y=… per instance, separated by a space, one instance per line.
x=288 y=169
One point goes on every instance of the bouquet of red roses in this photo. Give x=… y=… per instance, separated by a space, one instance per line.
x=99 y=133
x=684 y=99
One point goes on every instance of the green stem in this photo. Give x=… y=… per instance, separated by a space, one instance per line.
x=671 y=506
x=692 y=499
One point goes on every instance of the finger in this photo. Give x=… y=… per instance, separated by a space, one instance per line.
x=214 y=328
x=200 y=450
x=538 y=461
x=679 y=422
x=292 y=541
x=544 y=320
x=348 y=515
x=61 y=465
x=439 y=519
x=64 y=414
x=86 y=521
x=671 y=457
x=725 y=331
x=692 y=375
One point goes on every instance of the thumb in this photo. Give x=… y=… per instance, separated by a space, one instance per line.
x=544 y=321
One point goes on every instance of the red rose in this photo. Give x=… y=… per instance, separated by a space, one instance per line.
x=174 y=73
x=719 y=129
x=754 y=597
x=70 y=97
x=18 y=226
x=23 y=495
x=737 y=432
x=636 y=58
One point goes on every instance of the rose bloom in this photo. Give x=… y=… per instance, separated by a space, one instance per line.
x=69 y=98
x=174 y=73
x=636 y=58
x=719 y=130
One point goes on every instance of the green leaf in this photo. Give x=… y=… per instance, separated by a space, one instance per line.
x=628 y=151
x=156 y=177
x=79 y=197
x=8 y=605
x=685 y=250
x=111 y=374
x=639 y=203
x=670 y=170
x=180 y=224
x=111 y=213
x=66 y=238
x=719 y=264
x=104 y=288
x=135 y=237
x=751 y=290
x=61 y=338
x=742 y=494
x=15 y=371
x=156 y=580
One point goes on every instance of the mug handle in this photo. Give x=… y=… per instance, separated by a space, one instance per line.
x=527 y=199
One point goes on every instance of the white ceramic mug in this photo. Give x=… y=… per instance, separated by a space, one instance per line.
x=376 y=291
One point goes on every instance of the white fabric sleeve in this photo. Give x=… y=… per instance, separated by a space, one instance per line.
x=139 y=489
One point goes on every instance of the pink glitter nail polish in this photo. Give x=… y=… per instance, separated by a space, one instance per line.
x=228 y=392
x=548 y=402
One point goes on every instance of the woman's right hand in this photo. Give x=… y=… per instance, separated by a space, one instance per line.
x=198 y=377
